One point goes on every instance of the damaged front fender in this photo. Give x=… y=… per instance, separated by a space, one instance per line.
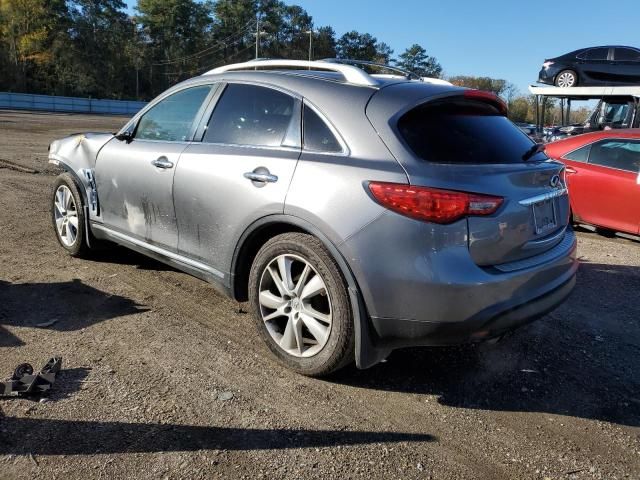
x=77 y=155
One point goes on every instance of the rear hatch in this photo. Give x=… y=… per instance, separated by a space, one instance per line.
x=462 y=141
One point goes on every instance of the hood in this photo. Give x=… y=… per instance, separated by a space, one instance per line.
x=78 y=150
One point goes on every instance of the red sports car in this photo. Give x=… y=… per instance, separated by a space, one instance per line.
x=603 y=175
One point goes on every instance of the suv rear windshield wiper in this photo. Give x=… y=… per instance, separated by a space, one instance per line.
x=537 y=148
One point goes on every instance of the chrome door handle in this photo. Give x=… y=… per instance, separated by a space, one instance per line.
x=261 y=177
x=570 y=170
x=162 y=162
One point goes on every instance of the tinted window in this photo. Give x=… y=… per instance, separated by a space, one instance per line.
x=617 y=153
x=579 y=155
x=251 y=115
x=317 y=134
x=464 y=131
x=596 y=54
x=616 y=114
x=172 y=118
x=627 y=54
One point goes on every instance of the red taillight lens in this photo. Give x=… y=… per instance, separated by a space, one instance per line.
x=432 y=204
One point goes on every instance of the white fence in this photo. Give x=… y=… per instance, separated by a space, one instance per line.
x=25 y=101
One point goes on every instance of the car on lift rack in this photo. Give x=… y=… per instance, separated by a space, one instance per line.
x=356 y=213
x=608 y=65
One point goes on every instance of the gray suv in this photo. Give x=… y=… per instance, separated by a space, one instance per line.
x=356 y=213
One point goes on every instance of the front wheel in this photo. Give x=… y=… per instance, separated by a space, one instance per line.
x=67 y=215
x=567 y=79
x=301 y=304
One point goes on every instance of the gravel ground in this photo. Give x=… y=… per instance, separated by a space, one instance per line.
x=164 y=378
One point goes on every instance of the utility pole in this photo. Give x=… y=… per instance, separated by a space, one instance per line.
x=310 y=32
x=257 y=32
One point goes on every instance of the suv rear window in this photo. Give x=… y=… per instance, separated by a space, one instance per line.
x=459 y=130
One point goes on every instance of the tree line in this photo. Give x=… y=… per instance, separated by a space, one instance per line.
x=95 y=48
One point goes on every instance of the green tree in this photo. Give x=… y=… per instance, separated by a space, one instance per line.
x=101 y=34
x=357 y=46
x=415 y=59
x=324 y=43
x=489 y=84
x=177 y=34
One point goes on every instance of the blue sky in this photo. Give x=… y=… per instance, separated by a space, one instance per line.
x=496 y=38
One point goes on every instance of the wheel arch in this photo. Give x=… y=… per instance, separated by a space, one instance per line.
x=366 y=353
x=85 y=200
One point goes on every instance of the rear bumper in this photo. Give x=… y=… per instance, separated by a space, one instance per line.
x=488 y=324
x=420 y=286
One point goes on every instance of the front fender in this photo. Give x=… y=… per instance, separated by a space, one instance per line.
x=77 y=155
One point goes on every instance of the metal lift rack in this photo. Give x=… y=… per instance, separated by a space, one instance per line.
x=566 y=95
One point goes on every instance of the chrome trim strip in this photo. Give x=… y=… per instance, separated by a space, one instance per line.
x=159 y=250
x=544 y=196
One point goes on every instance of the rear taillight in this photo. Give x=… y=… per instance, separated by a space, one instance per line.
x=432 y=204
x=547 y=64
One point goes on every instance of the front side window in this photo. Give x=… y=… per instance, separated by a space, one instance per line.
x=251 y=115
x=621 y=154
x=596 y=54
x=172 y=118
x=317 y=136
x=579 y=155
x=627 y=55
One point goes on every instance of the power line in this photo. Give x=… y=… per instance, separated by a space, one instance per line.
x=207 y=50
x=209 y=67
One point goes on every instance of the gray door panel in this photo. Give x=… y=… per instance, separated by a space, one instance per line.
x=215 y=202
x=135 y=195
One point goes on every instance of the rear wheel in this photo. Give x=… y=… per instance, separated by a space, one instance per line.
x=566 y=79
x=67 y=215
x=301 y=305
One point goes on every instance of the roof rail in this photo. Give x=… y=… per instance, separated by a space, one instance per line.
x=347 y=61
x=351 y=74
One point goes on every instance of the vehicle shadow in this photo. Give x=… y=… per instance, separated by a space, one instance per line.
x=72 y=437
x=124 y=256
x=581 y=360
x=59 y=306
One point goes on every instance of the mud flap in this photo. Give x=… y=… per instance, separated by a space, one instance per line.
x=366 y=352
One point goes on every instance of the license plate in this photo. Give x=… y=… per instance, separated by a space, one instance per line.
x=544 y=216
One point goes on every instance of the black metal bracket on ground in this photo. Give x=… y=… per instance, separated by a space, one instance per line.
x=24 y=382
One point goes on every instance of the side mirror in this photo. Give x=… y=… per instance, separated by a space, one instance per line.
x=126 y=136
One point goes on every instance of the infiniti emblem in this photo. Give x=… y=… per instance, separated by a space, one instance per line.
x=555 y=181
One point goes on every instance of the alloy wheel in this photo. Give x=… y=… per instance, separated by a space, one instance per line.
x=66 y=216
x=295 y=305
x=566 y=79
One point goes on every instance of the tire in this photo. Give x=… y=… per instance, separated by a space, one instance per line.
x=67 y=215
x=290 y=318
x=567 y=79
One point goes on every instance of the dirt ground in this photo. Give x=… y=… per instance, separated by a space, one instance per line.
x=164 y=378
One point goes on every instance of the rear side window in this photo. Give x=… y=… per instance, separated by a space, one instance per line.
x=317 y=136
x=579 y=155
x=627 y=54
x=616 y=153
x=251 y=115
x=457 y=130
x=595 y=54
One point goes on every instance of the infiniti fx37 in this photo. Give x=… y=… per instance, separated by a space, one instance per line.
x=355 y=213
